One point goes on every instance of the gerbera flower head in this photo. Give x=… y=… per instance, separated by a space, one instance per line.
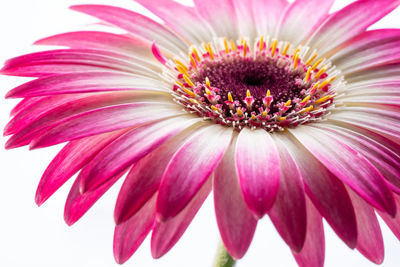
x=282 y=109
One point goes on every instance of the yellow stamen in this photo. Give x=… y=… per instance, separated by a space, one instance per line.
x=315 y=86
x=226 y=45
x=296 y=60
x=311 y=59
x=188 y=81
x=273 y=47
x=320 y=72
x=253 y=117
x=244 y=48
x=268 y=93
x=288 y=103
x=179 y=63
x=210 y=50
x=261 y=47
x=316 y=64
x=306 y=99
x=308 y=75
x=307 y=109
x=326 y=82
x=189 y=92
x=239 y=112
x=192 y=61
x=323 y=99
x=208 y=82
x=196 y=54
x=230 y=98
x=214 y=108
x=248 y=94
x=182 y=70
x=281 y=118
x=208 y=92
x=194 y=101
x=179 y=83
x=286 y=49
x=265 y=113
x=233 y=45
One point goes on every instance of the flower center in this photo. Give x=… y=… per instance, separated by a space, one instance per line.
x=272 y=86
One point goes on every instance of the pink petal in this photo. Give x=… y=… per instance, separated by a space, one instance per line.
x=101 y=40
x=136 y=24
x=236 y=223
x=327 y=193
x=393 y=223
x=104 y=120
x=144 y=177
x=349 y=22
x=84 y=83
x=370 y=240
x=258 y=168
x=221 y=15
x=69 y=160
x=288 y=213
x=166 y=234
x=349 y=166
x=313 y=252
x=130 y=148
x=302 y=17
x=190 y=168
x=130 y=235
x=69 y=60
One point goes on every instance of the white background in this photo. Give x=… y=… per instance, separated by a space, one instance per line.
x=32 y=236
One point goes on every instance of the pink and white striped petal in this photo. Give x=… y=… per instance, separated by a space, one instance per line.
x=258 y=168
x=104 y=120
x=313 y=252
x=267 y=15
x=166 y=234
x=144 y=178
x=349 y=22
x=393 y=223
x=130 y=148
x=370 y=240
x=301 y=18
x=190 y=168
x=129 y=235
x=327 y=193
x=236 y=223
x=340 y=159
x=288 y=213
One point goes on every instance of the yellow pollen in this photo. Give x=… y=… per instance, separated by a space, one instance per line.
x=308 y=75
x=323 y=99
x=210 y=51
x=265 y=113
x=285 y=50
x=226 y=45
x=321 y=71
x=214 y=108
x=311 y=59
x=306 y=99
x=189 y=82
x=239 y=112
x=208 y=92
x=261 y=47
x=316 y=64
x=248 y=94
x=182 y=70
x=296 y=60
x=288 y=103
x=253 y=117
x=194 y=101
x=192 y=61
x=307 y=109
x=208 y=82
x=189 y=92
x=233 y=45
x=326 y=82
x=273 y=47
x=179 y=63
x=244 y=48
x=230 y=98
x=315 y=86
x=268 y=93
x=179 y=83
x=196 y=54
x=281 y=118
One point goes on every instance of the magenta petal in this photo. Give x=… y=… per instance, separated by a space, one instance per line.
x=104 y=120
x=166 y=234
x=327 y=193
x=144 y=177
x=370 y=240
x=288 y=213
x=236 y=223
x=190 y=168
x=313 y=252
x=349 y=166
x=129 y=235
x=68 y=161
x=393 y=223
x=128 y=149
x=258 y=167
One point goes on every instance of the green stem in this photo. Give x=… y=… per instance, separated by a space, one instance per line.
x=223 y=259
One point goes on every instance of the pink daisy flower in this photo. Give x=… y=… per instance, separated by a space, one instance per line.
x=281 y=109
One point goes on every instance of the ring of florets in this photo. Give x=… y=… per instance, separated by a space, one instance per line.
x=272 y=86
